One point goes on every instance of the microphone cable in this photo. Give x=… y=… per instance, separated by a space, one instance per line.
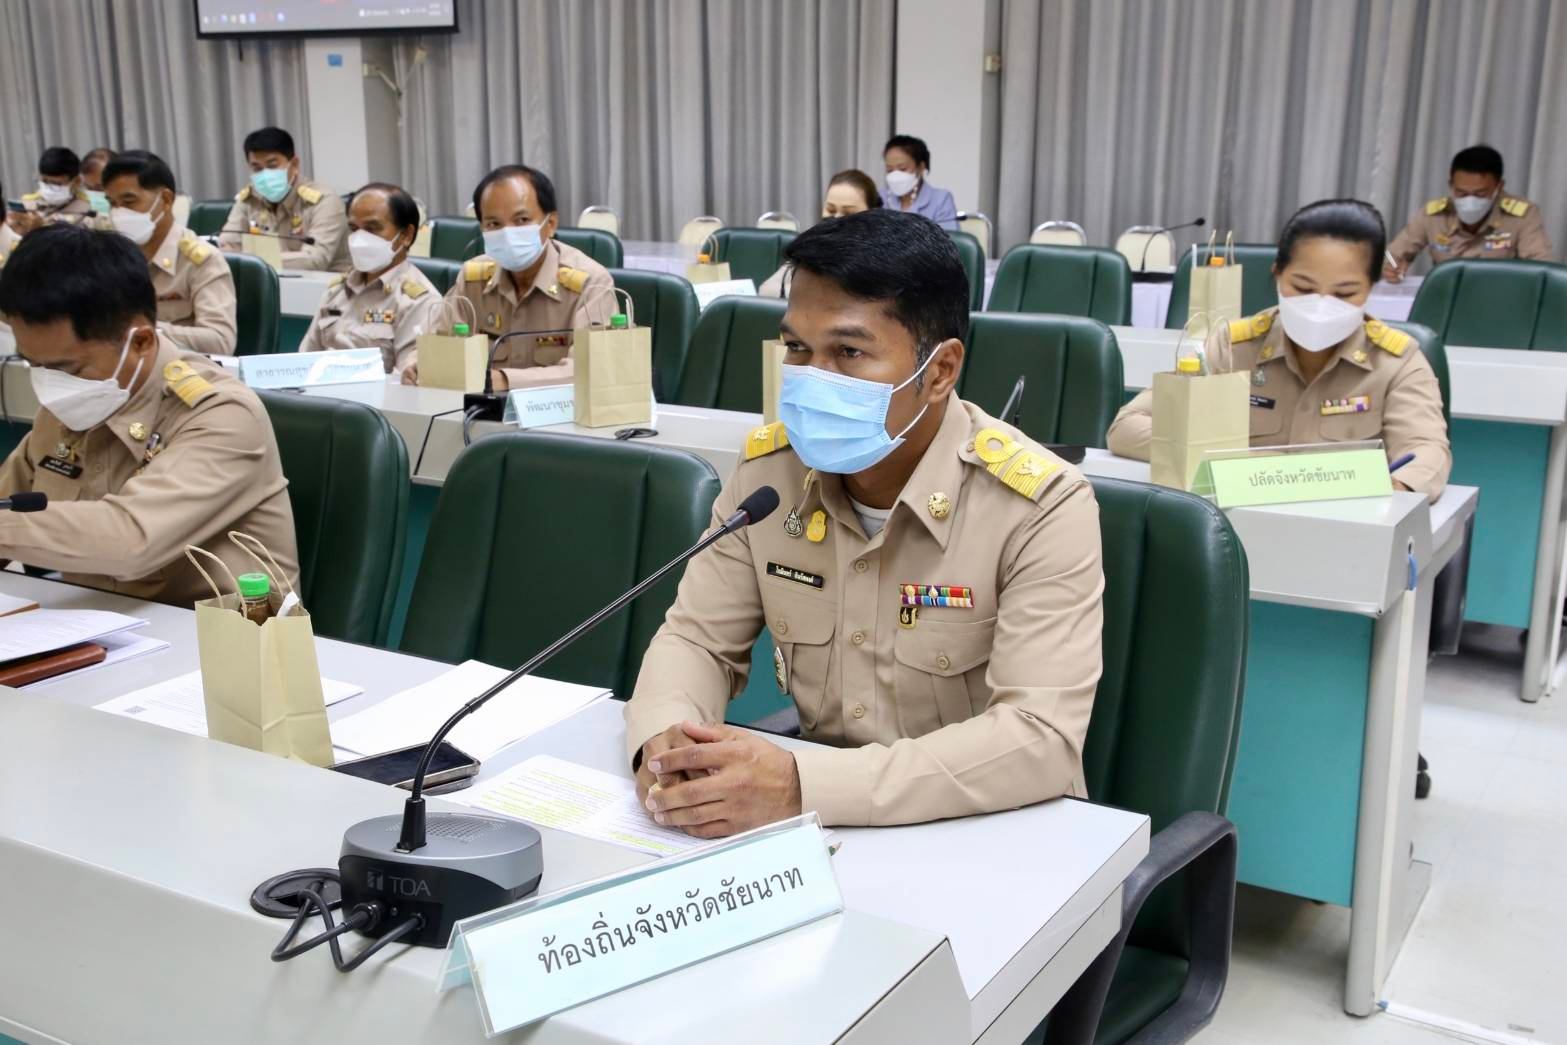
x=364 y=918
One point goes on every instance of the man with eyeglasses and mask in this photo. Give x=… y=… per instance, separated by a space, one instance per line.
x=933 y=589
x=196 y=299
x=1475 y=220
x=142 y=447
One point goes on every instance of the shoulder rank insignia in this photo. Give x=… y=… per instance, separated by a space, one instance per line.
x=31 y=197
x=309 y=194
x=242 y=195
x=572 y=279
x=478 y=270
x=765 y=440
x=1023 y=470
x=1393 y=342
x=1250 y=328
x=193 y=248
x=335 y=282
x=184 y=382
x=1436 y=206
x=1516 y=207
x=414 y=289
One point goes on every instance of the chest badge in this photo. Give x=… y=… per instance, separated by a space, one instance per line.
x=1360 y=355
x=939 y=505
x=817 y=531
x=138 y=431
x=1349 y=405
x=949 y=595
x=1259 y=377
x=780 y=673
x=908 y=617
x=792 y=524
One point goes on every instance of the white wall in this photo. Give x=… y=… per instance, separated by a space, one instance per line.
x=941 y=90
x=337 y=154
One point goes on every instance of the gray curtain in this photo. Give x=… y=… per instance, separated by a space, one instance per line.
x=129 y=74
x=662 y=109
x=1123 y=112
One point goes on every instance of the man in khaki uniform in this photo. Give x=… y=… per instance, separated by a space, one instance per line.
x=59 y=197
x=196 y=302
x=307 y=218
x=527 y=281
x=1476 y=220
x=142 y=448
x=932 y=578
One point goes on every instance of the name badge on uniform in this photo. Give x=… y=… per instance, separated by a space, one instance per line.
x=1263 y=402
x=1350 y=405
x=61 y=466
x=949 y=595
x=789 y=573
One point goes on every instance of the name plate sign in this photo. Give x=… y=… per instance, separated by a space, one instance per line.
x=540 y=956
x=541 y=406
x=306 y=369
x=707 y=293
x=1289 y=478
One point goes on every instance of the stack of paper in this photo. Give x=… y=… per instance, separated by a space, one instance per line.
x=179 y=703
x=118 y=648
x=44 y=631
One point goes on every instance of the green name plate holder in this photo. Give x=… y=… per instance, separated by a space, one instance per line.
x=1288 y=478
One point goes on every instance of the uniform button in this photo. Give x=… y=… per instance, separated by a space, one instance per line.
x=943 y=661
x=858 y=638
x=860 y=565
x=859 y=711
x=783 y=627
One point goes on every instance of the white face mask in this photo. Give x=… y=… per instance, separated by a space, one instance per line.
x=134 y=225
x=79 y=403
x=54 y=195
x=369 y=252
x=1317 y=322
x=901 y=183
x=1471 y=209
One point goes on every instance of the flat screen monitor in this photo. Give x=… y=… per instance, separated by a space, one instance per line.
x=237 y=18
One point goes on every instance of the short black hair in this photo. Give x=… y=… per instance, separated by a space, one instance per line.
x=97 y=280
x=902 y=259
x=1353 y=221
x=59 y=162
x=149 y=170
x=1477 y=159
x=270 y=139
x=915 y=147
x=404 y=211
x=543 y=188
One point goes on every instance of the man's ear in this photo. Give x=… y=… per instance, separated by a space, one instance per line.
x=549 y=225
x=946 y=365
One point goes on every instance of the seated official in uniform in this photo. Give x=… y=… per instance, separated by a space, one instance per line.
x=849 y=192
x=196 y=302
x=386 y=302
x=527 y=283
x=142 y=448
x=9 y=237
x=92 y=179
x=59 y=197
x=933 y=591
x=1359 y=378
x=1475 y=220
x=908 y=165
x=307 y=218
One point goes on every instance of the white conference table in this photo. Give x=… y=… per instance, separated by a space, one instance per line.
x=131 y=851
x=300 y=291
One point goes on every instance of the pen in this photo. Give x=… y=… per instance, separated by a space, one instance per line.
x=1391 y=260
x=1400 y=461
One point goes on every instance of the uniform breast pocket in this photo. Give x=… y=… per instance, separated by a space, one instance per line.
x=174 y=309
x=549 y=355
x=940 y=674
x=802 y=627
x=1344 y=428
x=1266 y=421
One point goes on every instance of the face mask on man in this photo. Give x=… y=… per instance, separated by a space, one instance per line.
x=837 y=423
x=82 y=404
x=271 y=184
x=136 y=226
x=98 y=200
x=1472 y=209
x=54 y=195
x=514 y=247
x=1317 y=322
x=369 y=252
x=901 y=183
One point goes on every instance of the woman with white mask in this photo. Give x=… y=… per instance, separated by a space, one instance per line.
x=1322 y=371
x=908 y=166
x=385 y=302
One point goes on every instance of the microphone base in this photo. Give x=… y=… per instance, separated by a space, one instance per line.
x=469 y=864
x=491 y=406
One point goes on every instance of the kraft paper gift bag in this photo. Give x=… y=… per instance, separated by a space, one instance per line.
x=612 y=377
x=706 y=270
x=1215 y=288
x=1193 y=415
x=772 y=378
x=450 y=358
x=260 y=682
x=267 y=248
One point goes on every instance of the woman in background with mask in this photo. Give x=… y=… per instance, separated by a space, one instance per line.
x=908 y=164
x=849 y=192
x=385 y=302
x=1359 y=378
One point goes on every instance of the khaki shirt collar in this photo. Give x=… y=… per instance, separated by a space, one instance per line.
x=166 y=258
x=140 y=412
x=389 y=279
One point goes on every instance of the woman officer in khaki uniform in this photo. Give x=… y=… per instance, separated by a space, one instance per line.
x=1322 y=370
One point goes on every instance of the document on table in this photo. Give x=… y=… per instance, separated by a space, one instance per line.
x=118 y=649
x=10 y=604
x=43 y=631
x=412 y=716
x=179 y=704
x=584 y=801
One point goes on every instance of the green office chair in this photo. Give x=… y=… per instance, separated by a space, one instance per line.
x=667 y=304
x=207 y=216
x=1071 y=368
x=1258 y=288
x=724 y=364
x=347 y=472
x=973 y=256
x=1162 y=741
x=439 y=271
x=258 y=305
x=534 y=532
x=1496 y=304
x=1069 y=281
x=1435 y=351
x=602 y=246
x=455 y=239
x=752 y=254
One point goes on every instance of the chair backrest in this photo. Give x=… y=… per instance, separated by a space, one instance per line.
x=1435 y=351
x=455 y=239
x=696 y=231
x=603 y=247
x=724 y=365
x=347 y=472
x=666 y=303
x=617 y=511
x=258 y=304
x=599 y=216
x=1496 y=304
x=978 y=225
x=1259 y=290
x=1147 y=245
x=1071 y=281
x=973 y=254
x=778 y=219
x=752 y=254
x=1167 y=712
x=1057 y=233
x=1071 y=365
x=207 y=216
x=439 y=271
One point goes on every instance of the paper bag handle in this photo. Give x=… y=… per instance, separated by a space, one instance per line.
x=1229 y=247
x=449 y=313
x=712 y=237
x=243 y=542
x=631 y=315
x=1202 y=350
x=191 y=551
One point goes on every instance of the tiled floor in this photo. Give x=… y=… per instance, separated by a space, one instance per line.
x=1489 y=947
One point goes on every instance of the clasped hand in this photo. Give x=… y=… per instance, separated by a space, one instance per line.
x=712 y=781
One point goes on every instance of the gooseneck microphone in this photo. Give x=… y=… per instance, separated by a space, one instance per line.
x=24 y=501
x=490 y=405
x=308 y=240
x=1196 y=224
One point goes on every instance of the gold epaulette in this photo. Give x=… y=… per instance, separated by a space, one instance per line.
x=184 y=382
x=1023 y=470
x=31 y=197
x=242 y=195
x=309 y=194
x=1250 y=328
x=1436 y=206
x=764 y=440
x=414 y=289
x=193 y=248
x=572 y=279
x=478 y=270
x=1516 y=207
x=1393 y=342
x=335 y=282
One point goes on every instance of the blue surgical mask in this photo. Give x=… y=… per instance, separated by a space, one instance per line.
x=99 y=201
x=270 y=184
x=838 y=423
x=514 y=247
